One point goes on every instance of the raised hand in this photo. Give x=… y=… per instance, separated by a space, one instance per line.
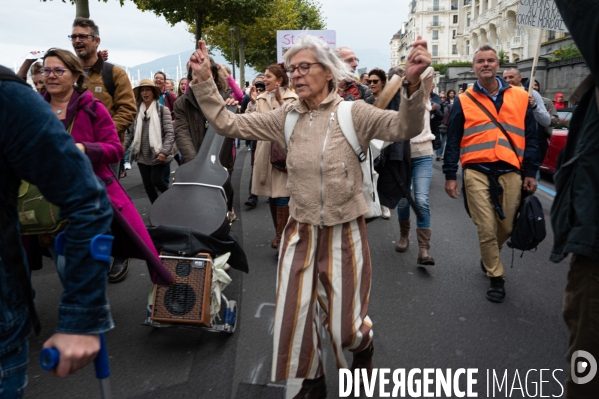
x=418 y=60
x=253 y=95
x=103 y=54
x=200 y=63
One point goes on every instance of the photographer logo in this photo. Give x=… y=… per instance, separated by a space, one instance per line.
x=583 y=367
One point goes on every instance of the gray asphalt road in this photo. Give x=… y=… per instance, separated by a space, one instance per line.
x=434 y=317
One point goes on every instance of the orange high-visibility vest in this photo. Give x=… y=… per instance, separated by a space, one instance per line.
x=482 y=140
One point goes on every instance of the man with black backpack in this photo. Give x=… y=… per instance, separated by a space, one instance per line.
x=492 y=131
x=109 y=84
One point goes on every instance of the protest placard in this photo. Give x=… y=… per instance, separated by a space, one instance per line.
x=287 y=38
x=542 y=14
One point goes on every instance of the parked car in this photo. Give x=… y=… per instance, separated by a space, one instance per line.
x=557 y=140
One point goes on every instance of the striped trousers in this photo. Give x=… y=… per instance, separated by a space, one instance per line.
x=329 y=267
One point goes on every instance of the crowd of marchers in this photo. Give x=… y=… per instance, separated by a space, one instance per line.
x=297 y=119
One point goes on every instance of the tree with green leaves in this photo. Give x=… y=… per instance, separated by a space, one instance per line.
x=82 y=7
x=257 y=41
x=198 y=13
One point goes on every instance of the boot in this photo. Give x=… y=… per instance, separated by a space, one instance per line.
x=118 y=270
x=282 y=217
x=404 y=236
x=313 y=389
x=273 y=213
x=424 y=244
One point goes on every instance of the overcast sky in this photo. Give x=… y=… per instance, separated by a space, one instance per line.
x=134 y=37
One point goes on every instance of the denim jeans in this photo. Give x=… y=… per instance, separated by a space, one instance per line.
x=13 y=372
x=281 y=201
x=422 y=171
x=439 y=151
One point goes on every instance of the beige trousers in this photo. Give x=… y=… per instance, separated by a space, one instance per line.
x=492 y=231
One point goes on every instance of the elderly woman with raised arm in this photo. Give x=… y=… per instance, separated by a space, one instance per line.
x=324 y=257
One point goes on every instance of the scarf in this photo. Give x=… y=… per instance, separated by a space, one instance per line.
x=155 y=128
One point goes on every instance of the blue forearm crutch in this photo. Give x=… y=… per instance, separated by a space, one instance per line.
x=100 y=249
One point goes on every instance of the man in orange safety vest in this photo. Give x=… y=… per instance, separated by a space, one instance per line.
x=493 y=132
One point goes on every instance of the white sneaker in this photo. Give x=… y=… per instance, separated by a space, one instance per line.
x=386 y=212
x=127 y=166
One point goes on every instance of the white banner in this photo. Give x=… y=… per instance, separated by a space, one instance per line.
x=287 y=38
x=542 y=14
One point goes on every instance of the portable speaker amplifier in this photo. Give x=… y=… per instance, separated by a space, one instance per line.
x=187 y=299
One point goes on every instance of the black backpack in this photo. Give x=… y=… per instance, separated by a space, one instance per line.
x=529 y=225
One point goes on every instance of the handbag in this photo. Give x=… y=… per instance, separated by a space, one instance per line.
x=278 y=158
x=37 y=215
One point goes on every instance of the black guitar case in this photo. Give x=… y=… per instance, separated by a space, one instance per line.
x=198 y=197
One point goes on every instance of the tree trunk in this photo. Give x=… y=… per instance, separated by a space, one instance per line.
x=241 y=45
x=82 y=8
x=199 y=21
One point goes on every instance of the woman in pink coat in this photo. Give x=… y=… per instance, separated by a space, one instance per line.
x=94 y=133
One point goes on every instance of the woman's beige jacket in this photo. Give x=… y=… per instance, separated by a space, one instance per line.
x=266 y=179
x=325 y=178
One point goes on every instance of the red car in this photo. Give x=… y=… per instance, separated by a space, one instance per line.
x=557 y=140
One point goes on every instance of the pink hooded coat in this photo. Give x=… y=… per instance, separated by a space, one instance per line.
x=93 y=127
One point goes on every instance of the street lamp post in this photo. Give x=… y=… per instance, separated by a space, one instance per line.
x=232 y=51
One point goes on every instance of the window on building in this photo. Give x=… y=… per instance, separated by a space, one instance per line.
x=453 y=34
x=435 y=35
x=434 y=63
x=435 y=20
x=454 y=49
x=468 y=19
x=455 y=19
x=551 y=35
x=435 y=5
x=454 y=5
x=435 y=50
x=467 y=47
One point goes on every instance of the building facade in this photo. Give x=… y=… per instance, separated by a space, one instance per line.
x=464 y=25
x=437 y=22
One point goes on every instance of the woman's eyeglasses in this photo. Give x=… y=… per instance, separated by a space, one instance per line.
x=303 y=68
x=372 y=81
x=58 y=71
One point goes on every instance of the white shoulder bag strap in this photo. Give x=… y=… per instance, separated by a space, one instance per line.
x=346 y=124
x=290 y=121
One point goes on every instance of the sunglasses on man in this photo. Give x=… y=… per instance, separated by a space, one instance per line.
x=372 y=81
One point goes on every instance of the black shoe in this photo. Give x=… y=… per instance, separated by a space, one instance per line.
x=496 y=292
x=252 y=202
x=118 y=270
x=313 y=389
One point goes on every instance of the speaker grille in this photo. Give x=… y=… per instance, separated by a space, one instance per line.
x=187 y=299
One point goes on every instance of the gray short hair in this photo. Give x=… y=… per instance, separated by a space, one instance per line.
x=485 y=47
x=513 y=68
x=324 y=55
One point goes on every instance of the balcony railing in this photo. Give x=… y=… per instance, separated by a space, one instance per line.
x=436 y=8
x=436 y=25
